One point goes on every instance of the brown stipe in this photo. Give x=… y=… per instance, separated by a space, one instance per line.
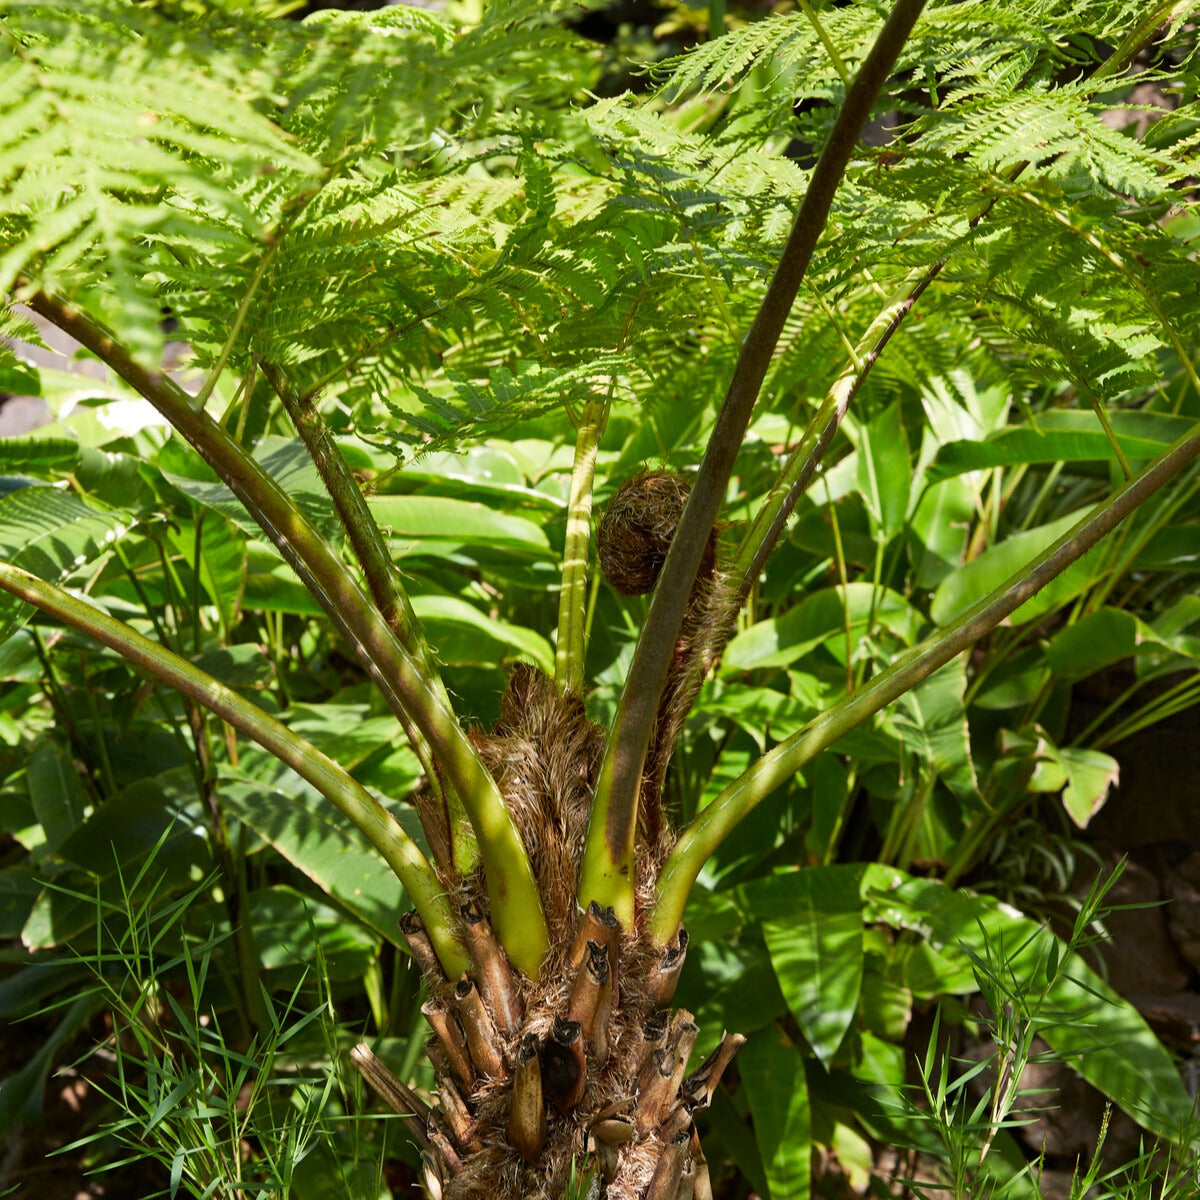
x=564 y=1067
x=591 y=1002
x=678 y=1120
x=614 y=1131
x=478 y=1027
x=607 y=1158
x=492 y=970
x=662 y=983
x=702 y=1183
x=664 y=1185
x=654 y=1032
x=442 y=1146
x=453 y=1043
x=412 y=929
x=699 y=1086
x=527 y=1106
x=458 y=1115
x=687 y=1180
x=398 y=1096
x=658 y=1083
x=613 y=1127
x=597 y=925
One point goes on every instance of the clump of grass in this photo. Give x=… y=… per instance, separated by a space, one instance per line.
x=226 y=1119
x=961 y=1121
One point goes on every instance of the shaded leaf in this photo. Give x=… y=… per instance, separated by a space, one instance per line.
x=56 y=791
x=772 y=1072
x=461 y=635
x=316 y=839
x=51 y=534
x=812 y=923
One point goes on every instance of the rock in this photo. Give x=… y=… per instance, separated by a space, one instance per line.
x=1182 y=888
x=1141 y=955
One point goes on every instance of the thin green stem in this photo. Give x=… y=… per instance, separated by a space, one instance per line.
x=1106 y=424
x=571 y=647
x=716 y=18
x=1167 y=12
x=233 y=880
x=607 y=872
x=370 y=548
x=713 y=825
x=515 y=904
x=839 y=63
x=378 y=825
x=293 y=210
x=769 y=522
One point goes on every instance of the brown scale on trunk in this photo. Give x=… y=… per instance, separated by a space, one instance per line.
x=587 y=1065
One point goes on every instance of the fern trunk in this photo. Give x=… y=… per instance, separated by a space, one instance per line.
x=585 y=1069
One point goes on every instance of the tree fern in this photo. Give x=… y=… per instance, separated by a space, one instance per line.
x=340 y=216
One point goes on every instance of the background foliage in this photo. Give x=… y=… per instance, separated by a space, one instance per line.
x=456 y=228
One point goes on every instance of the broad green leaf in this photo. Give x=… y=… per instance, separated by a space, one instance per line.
x=1091 y=775
x=828 y=617
x=321 y=843
x=1015 y=682
x=344 y=729
x=772 y=1072
x=460 y=634
x=812 y=923
x=1179 y=618
x=272 y=586
x=140 y=831
x=51 y=534
x=932 y=718
x=286 y=460
x=412 y=520
x=925 y=972
x=485 y=471
x=37 y=454
x=115 y=479
x=939 y=529
x=998 y=563
x=1084 y=776
x=215 y=549
x=855 y=1156
x=56 y=791
x=292 y=932
x=1106 y=1040
x=1095 y=641
x=19 y=888
x=1174 y=547
x=734 y=988
x=885 y=472
x=19 y=383
x=1062 y=437
x=765 y=714
x=886 y=1004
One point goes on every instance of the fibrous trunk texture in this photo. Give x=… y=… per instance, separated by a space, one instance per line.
x=585 y=1069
